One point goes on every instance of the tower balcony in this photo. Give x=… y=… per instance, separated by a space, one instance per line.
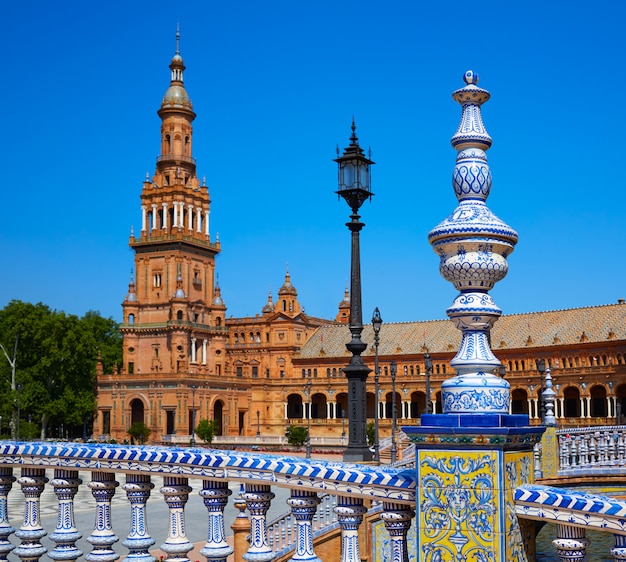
x=176 y=235
x=176 y=158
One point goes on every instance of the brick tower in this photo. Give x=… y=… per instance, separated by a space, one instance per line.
x=173 y=316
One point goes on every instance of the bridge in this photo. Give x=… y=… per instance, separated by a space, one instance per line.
x=356 y=512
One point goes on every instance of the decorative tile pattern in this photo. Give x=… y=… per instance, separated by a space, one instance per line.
x=375 y=482
x=459 y=505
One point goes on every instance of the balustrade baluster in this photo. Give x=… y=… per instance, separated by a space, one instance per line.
x=612 y=442
x=175 y=492
x=594 y=448
x=303 y=507
x=258 y=500
x=585 y=450
x=537 y=461
x=138 y=541
x=283 y=533
x=65 y=483
x=572 y=451
x=583 y=454
x=619 y=548
x=350 y=513
x=102 y=538
x=621 y=450
x=6 y=483
x=602 y=449
x=31 y=532
x=564 y=452
x=571 y=544
x=215 y=496
x=397 y=520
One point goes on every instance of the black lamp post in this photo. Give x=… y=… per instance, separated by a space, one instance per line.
x=428 y=363
x=354 y=187
x=19 y=407
x=393 y=369
x=258 y=423
x=377 y=322
x=307 y=392
x=193 y=388
x=541 y=367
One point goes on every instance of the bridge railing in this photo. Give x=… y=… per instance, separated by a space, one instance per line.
x=592 y=450
x=574 y=513
x=354 y=488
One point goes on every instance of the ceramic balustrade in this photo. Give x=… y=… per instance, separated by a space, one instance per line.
x=323 y=494
x=574 y=512
x=592 y=450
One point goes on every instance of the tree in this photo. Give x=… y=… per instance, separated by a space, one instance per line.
x=296 y=435
x=140 y=432
x=370 y=433
x=55 y=365
x=206 y=430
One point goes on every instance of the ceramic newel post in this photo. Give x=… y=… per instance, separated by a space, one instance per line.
x=473 y=245
x=470 y=458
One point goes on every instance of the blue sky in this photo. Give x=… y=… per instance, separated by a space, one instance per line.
x=275 y=85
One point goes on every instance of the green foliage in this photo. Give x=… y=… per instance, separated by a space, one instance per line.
x=206 y=430
x=140 y=432
x=55 y=366
x=296 y=435
x=370 y=432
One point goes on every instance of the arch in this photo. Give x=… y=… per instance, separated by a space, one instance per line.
x=571 y=396
x=389 y=405
x=294 y=406
x=218 y=415
x=598 y=401
x=131 y=318
x=519 y=401
x=370 y=405
x=318 y=406
x=136 y=411
x=218 y=322
x=342 y=405
x=438 y=405
x=179 y=316
x=417 y=405
x=620 y=395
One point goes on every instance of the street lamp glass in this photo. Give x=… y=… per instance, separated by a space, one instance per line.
x=428 y=362
x=377 y=321
x=541 y=365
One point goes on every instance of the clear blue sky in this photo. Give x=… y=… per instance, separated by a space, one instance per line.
x=275 y=85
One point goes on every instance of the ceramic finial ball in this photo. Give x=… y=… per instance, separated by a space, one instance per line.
x=470 y=77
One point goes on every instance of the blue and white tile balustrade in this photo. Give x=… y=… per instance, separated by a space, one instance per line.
x=355 y=487
x=574 y=512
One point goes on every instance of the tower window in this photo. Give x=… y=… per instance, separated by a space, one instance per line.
x=131 y=368
x=156 y=280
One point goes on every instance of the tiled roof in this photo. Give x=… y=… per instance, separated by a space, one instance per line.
x=593 y=324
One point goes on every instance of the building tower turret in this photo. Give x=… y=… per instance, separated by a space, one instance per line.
x=173 y=325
